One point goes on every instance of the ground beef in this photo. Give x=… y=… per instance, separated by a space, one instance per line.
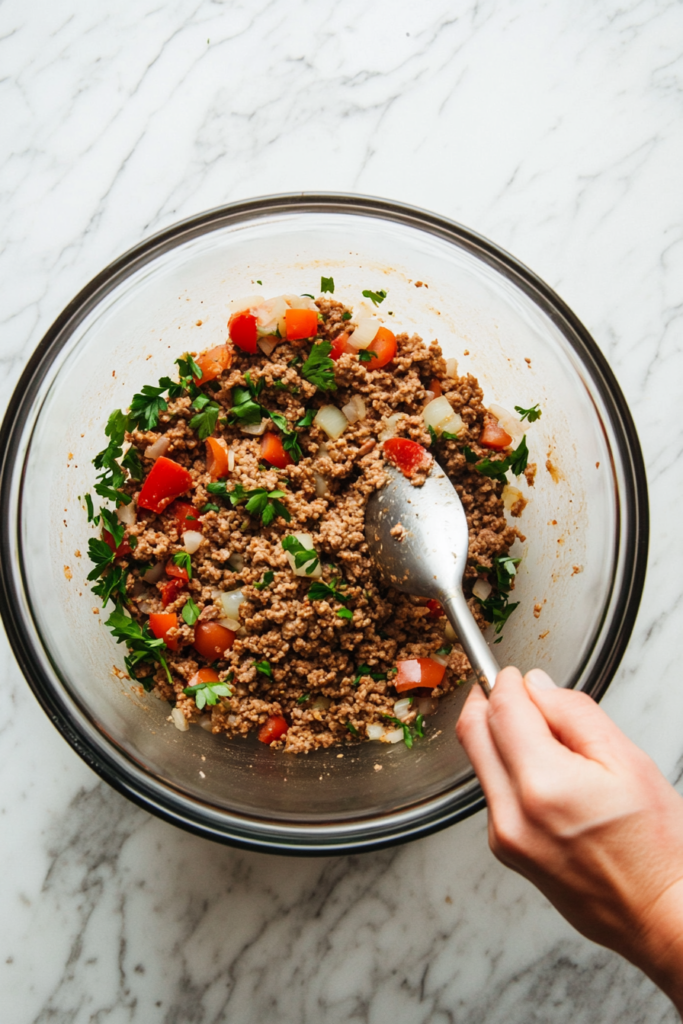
x=329 y=676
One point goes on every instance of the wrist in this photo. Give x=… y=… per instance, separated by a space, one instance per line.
x=663 y=943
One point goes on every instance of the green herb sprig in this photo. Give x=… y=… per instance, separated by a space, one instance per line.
x=208 y=693
x=532 y=414
x=301 y=554
x=319 y=368
x=375 y=297
x=143 y=646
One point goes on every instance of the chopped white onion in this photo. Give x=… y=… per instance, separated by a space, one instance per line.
x=449 y=633
x=306 y=541
x=402 y=708
x=232 y=624
x=145 y=607
x=440 y=415
x=425 y=706
x=355 y=410
x=159 y=448
x=321 y=703
x=300 y=302
x=321 y=486
x=511 y=495
x=231 y=460
x=365 y=332
x=269 y=314
x=233 y=719
x=154 y=574
x=452 y=368
x=179 y=720
x=481 y=589
x=255 y=429
x=236 y=561
x=374 y=731
x=332 y=420
x=392 y=736
x=323 y=451
x=391 y=426
x=508 y=421
x=205 y=723
x=231 y=601
x=268 y=344
x=440 y=659
x=246 y=303
x=191 y=541
x=126 y=514
x=429 y=395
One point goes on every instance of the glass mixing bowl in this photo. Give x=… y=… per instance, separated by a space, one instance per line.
x=583 y=560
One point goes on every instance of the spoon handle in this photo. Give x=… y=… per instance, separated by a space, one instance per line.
x=485 y=666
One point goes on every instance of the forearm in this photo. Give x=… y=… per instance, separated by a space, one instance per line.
x=662 y=945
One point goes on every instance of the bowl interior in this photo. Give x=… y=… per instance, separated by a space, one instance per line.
x=129 y=333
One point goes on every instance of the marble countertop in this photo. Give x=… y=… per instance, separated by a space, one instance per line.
x=554 y=128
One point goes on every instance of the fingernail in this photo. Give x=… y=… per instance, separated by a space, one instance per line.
x=540 y=680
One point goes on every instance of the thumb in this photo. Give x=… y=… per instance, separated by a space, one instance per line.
x=576 y=720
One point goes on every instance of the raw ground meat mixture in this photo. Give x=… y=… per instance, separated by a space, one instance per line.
x=313 y=654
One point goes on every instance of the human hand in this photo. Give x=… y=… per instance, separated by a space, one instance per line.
x=585 y=815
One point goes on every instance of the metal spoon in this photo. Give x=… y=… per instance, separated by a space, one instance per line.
x=430 y=559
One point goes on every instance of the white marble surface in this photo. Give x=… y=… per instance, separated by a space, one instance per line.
x=555 y=128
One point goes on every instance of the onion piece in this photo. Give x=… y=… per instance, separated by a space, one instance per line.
x=230 y=602
x=482 y=590
x=246 y=304
x=440 y=415
x=452 y=368
x=508 y=421
x=426 y=706
x=321 y=703
x=511 y=495
x=255 y=429
x=365 y=332
x=232 y=624
x=332 y=420
x=392 y=736
x=355 y=410
x=236 y=561
x=402 y=708
x=126 y=514
x=440 y=659
x=321 y=485
x=205 y=723
x=179 y=720
x=268 y=344
x=323 y=451
x=269 y=314
x=145 y=607
x=154 y=574
x=449 y=633
x=231 y=460
x=300 y=302
x=306 y=541
x=374 y=731
x=391 y=427
x=159 y=448
x=191 y=541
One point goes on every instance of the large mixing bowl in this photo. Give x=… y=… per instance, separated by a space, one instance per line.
x=585 y=523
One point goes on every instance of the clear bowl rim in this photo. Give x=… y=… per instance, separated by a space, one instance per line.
x=421 y=818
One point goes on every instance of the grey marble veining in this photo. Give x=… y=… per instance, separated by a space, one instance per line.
x=555 y=129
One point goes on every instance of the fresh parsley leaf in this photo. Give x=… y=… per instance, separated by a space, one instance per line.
x=244 y=408
x=205 y=422
x=116 y=427
x=301 y=554
x=532 y=414
x=308 y=295
x=407 y=731
x=432 y=434
x=344 y=613
x=506 y=570
x=210 y=507
x=303 y=698
x=111 y=586
x=182 y=558
x=131 y=461
x=146 y=406
x=446 y=435
x=327 y=284
x=92 y=518
x=366 y=355
x=144 y=647
x=101 y=554
x=346 y=316
x=200 y=401
x=469 y=455
x=207 y=693
x=264 y=668
x=175 y=388
x=188 y=367
x=280 y=385
x=319 y=591
x=258 y=501
x=494 y=469
x=319 y=368
x=112 y=524
x=268 y=578
x=445 y=650
x=519 y=458
x=306 y=420
x=190 y=612
x=365 y=670
x=296 y=360
x=497 y=610
x=376 y=297
x=419 y=726
x=352 y=729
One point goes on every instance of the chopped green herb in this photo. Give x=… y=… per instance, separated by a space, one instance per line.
x=408 y=732
x=268 y=578
x=320 y=591
x=207 y=693
x=344 y=613
x=506 y=570
x=301 y=554
x=327 y=284
x=144 y=647
x=497 y=610
x=445 y=650
x=183 y=559
x=290 y=441
x=264 y=668
x=376 y=297
x=419 y=726
x=432 y=434
x=532 y=414
x=446 y=435
x=210 y=507
x=190 y=612
x=365 y=670
x=112 y=586
x=469 y=455
x=295 y=361
x=303 y=698
x=101 y=554
x=366 y=355
x=188 y=368
x=146 y=406
x=258 y=502
x=280 y=385
x=131 y=461
x=132 y=542
x=346 y=316
x=205 y=421
x=307 y=295
x=319 y=368
x=113 y=477
x=352 y=729
x=519 y=457
x=92 y=518
x=306 y=420
x=259 y=282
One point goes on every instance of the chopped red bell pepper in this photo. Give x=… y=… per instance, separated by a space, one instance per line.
x=418 y=672
x=186 y=517
x=124 y=547
x=170 y=590
x=301 y=323
x=384 y=347
x=493 y=435
x=406 y=455
x=272 y=729
x=243 y=333
x=272 y=451
x=167 y=480
x=160 y=623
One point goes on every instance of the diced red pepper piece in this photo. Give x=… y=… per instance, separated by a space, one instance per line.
x=406 y=455
x=212 y=640
x=435 y=387
x=418 y=672
x=493 y=435
x=124 y=547
x=167 y=480
x=213 y=362
x=384 y=347
x=160 y=623
x=340 y=345
x=301 y=323
x=273 y=451
x=177 y=572
x=243 y=333
x=272 y=729
x=216 y=458
x=435 y=609
x=186 y=517
x=204 y=675
x=170 y=590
